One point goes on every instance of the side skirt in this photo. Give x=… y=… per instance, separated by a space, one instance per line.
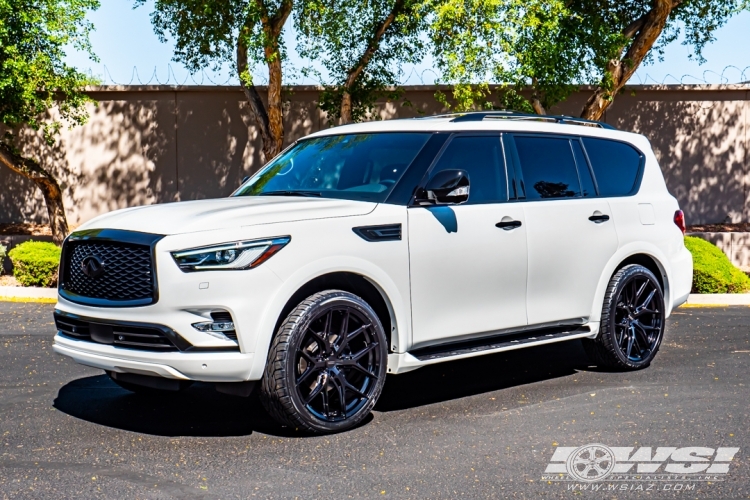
x=408 y=361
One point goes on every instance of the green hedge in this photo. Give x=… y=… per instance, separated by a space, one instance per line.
x=2 y=256
x=713 y=272
x=35 y=263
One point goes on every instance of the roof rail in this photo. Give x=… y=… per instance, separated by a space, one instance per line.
x=478 y=116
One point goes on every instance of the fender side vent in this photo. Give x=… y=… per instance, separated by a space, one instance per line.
x=389 y=232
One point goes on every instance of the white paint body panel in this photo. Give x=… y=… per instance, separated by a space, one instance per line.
x=445 y=245
x=438 y=284
x=567 y=254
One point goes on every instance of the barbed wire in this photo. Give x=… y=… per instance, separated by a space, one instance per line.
x=730 y=75
x=744 y=77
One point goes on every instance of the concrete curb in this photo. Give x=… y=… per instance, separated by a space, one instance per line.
x=718 y=299
x=31 y=294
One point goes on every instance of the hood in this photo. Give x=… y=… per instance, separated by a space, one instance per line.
x=225 y=213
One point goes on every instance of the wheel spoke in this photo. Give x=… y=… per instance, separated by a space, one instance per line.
x=339 y=381
x=324 y=394
x=343 y=339
x=308 y=357
x=320 y=340
x=306 y=374
x=644 y=336
x=639 y=292
x=319 y=386
x=362 y=369
x=646 y=327
x=370 y=347
x=631 y=339
x=640 y=309
x=353 y=334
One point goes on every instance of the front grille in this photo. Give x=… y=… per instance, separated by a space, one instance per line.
x=127 y=271
x=134 y=337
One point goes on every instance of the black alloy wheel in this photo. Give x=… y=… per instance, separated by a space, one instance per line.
x=326 y=366
x=632 y=323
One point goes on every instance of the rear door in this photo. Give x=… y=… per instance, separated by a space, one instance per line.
x=570 y=231
x=468 y=276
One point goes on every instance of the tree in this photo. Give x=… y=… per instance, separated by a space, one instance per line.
x=362 y=46
x=551 y=47
x=34 y=80
x=625 y=33
x=242 y=33
x=486 y=46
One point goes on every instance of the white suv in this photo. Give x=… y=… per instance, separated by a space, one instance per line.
x=380 y=248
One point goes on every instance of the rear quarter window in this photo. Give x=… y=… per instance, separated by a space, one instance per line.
x=616 y=166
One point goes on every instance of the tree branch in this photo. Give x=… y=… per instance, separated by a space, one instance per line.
x=45 y=182
x=372 y=47
x=644 y=32
x=356 y=71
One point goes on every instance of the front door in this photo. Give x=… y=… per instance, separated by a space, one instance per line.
x=468 y=276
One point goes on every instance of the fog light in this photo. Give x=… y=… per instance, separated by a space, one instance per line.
x=214 y=326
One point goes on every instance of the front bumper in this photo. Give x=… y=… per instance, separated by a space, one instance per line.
x=197 y=366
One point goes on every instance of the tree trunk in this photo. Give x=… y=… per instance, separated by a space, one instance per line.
x=356 y=71
x=275 y=107
x=346 y=108
x=48 y=185
x=644 y=32
x=270 y=119
x=536 y=103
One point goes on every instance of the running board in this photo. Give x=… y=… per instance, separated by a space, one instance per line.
x=500 y=342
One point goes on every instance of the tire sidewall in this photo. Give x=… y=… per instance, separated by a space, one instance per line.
x=332 y=300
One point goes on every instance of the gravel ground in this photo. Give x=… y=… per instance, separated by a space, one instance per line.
x=480 y=428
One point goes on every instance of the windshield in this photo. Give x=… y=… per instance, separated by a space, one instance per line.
x=360 y=167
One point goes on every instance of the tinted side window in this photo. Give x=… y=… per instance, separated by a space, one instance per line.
x=482 y=158
x=549 y=170
x=615 y=165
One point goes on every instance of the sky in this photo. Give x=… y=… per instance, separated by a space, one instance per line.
x=130 y=53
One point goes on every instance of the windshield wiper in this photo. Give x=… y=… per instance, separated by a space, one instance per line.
x=289 y=193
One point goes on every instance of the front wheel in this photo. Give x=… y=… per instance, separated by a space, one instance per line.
x=327 y=364
x=632 y=323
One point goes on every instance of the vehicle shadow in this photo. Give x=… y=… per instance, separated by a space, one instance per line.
x=471 y=376
x=202 y=412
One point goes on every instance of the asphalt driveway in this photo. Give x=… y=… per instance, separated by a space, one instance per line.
x=481 y=428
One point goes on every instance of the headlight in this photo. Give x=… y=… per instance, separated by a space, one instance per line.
x=235 y=255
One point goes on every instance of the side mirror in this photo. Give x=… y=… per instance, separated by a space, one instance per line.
x=447 y=187
x=244 y=179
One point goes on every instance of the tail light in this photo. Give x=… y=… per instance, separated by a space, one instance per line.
x=679 y=219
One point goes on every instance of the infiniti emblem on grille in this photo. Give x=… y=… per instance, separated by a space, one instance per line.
x=92 y=266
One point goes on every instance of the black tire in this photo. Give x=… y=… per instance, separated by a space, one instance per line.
x=632 y=323
x=320 y=381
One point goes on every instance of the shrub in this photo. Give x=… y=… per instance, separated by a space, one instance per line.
x=2 y=256
x=35 y=263
x=713 y=272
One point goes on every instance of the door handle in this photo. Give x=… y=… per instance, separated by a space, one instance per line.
x=508 y=224
x=599 y=218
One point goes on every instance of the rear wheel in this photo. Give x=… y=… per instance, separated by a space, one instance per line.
x=327 y=364
x=632 y=324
